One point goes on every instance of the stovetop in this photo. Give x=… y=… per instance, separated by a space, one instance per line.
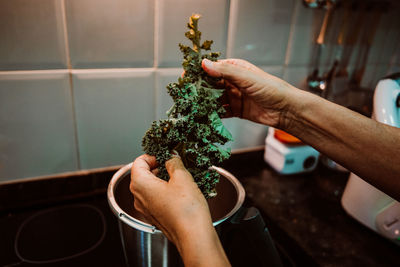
x=78 y=232
x=66 y=220
x=81 y=232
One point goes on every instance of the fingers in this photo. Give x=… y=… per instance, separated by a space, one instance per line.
x=210 y=68
x=144 y=163
x=228 y=68
x=177 y=170
x=143 y=174
x=155 y=172
x=232 y=101
x=236 y=103
x=240 y=73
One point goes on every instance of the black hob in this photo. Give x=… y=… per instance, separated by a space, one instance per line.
x=66 y=221
x=80 y=232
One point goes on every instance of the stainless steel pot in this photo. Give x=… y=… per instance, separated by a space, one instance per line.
x=144 y=244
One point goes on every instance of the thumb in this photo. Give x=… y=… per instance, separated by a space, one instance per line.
x=177 y=170
x=221 y=69
x=230 y=68
x=239 y=72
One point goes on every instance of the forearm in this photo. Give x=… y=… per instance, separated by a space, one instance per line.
x=201 y=247
x=364 y=146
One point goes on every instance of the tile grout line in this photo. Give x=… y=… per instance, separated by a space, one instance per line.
x=78 y=157
x=73 y=71
x=156 y=31
x=65 y=31
x=71 y=86
x=156 y=98
x=156 y=54
x=290 y=39
x=232 y=17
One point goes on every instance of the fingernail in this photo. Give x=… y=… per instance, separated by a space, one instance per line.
x=175 y=154
x=208 y=63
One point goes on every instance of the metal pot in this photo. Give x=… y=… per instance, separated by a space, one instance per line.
x=145 y=245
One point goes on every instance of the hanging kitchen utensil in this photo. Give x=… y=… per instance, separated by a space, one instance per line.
x=314 y=80
x=343 y=31
x=337 y=75
x=313 y=3
x=371 y=25
x=339 y=80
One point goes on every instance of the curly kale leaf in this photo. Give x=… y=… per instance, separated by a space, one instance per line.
x=194 y=128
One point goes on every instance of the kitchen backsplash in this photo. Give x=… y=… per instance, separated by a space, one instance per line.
x=82 y=80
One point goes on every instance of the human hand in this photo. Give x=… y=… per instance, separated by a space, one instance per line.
x=173 y=206
x=178 y=209
x=251 y=93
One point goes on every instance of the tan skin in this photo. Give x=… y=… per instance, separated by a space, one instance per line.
x=368 y=148
x=178 y=209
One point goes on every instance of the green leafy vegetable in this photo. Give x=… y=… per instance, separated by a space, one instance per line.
x=194 y=127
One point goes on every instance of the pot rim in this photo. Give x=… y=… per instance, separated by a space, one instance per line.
x=146 y=227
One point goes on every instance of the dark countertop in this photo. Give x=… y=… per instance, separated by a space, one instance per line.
x=303 y=213
x=305 y=209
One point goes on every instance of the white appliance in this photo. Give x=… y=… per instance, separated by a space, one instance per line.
x=361 y=200
x=289 y=158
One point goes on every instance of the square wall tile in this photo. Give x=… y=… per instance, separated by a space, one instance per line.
x=246 y=134
x=163 y=100
x=306 y=27
x=114 y=108
x=110 y=34
x=32 y=35
x=260 y=30
x=173 y=18
x=36 y=124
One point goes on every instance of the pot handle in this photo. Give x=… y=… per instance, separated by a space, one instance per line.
x=247 y=241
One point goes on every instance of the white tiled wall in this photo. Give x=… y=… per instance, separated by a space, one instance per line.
x=305 y=29
x=110 y=34
x=163 y=100
x=31 y=35
x=36 y=124
x=254 y=23
x=113 y=110
x=82 y=80
x=172 y=19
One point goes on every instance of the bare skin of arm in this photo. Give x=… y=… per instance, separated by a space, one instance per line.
x=368 y=148
x=178 y=209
